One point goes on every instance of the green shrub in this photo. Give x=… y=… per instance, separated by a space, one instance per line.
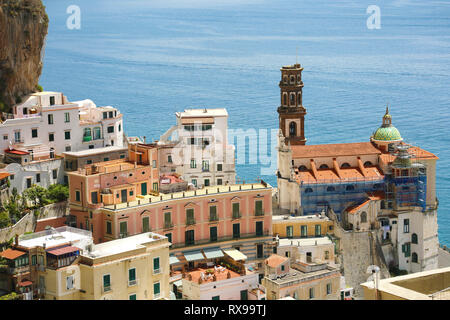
x=5 y=221
x=58 y=192
x=39 y=88
x=10 y=296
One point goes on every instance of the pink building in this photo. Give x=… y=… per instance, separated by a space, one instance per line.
x=111 y=183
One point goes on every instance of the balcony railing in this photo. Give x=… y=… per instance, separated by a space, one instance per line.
x=190 y=221
x=236 y=215
x=17 y=270
x=168 y=225
x=157 y=271
x=107 y=288
x=123 y=235
x=132 y=282
x=213 y=217
x=259 y=213
x=87 y=138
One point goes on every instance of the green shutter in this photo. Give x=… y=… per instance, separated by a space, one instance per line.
x=106 y=280
x=156 y=288
x=132 y=274
x=258 y=207
x=155 y=263
x=145 y=224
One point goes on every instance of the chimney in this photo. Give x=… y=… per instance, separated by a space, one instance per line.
x=144 y=139
x=16 y=239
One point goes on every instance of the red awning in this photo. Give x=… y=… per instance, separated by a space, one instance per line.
x=25 y=283
x=63 y=250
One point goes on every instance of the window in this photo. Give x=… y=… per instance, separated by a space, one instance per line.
x=205 y=165
x=51 y=137
x=345 y=165
x=213 y=234
x=259 y=208
x=406 y=226
x=5 y=137
x=327 y=255
x=318 y=230
x=292 y=99
x=190 y=216
x=88 y=161
x=215 y=298
x=303 y=231
x=68 y=148
x=311 y=293
x=236 y=210
x=107 y=159
x=55 y=173
x=282 y=268
x=169 y=158
x=259 y=228
x=132 y=296
x=289 y=231
x=66 y=117
x=110 y=129
x=219 y=167
x=28 y=182
x=77 y=196
x=67 y=135
x=363 y=217
x=193 y=164
x=292 y=129
x=367 y=164
x=94 y=197
x=52 y=100
x=131 y=276
x=50 y=118
x=213 y=213
x=414 y=257
x=34 y=133
x=350 y=188
x=69 y=282
x=189 y=237
x=17 y=136
x=308 y=190
x=120 y=127
x=169 y=237
x=244 y=294
x=194 y=182
x=33 y=260
x=156 y=290
x=206 y=183
x=414 y=238
x=97 y=133
x=330 y=189
x=145 y=224
x=167 y=220
x=259 y=251
x=123 y=229
x=106 y=282
x=329 y=288
x=406 y=249
x=219 y=182
x=154 y=163
x=236 y=231
x=108 y=227
x=155 y=186
x=38 y=177
x=105 y=115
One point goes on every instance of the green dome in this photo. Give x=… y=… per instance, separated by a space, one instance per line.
x=387 y=134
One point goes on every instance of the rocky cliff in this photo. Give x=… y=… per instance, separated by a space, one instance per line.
x=23 y=28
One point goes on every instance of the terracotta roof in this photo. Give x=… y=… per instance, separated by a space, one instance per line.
x=275 y=260
x=376 y=195
x=63 y=250
x=330 y=175
x=355 y=208
x=11 y=254
x=334 y=150
x=4 y=175
x=25 y=283
x=418 y=154
x=19 y=152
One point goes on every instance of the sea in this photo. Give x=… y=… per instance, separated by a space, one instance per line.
x=152 y=58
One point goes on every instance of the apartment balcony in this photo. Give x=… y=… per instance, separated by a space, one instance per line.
x=132 y=283
x=123 y=235
x=157 y=271
x=87 y=138
x=190 y=222
x=205 y=169
x=213 y=218
x=18 y=270
x=106 y=289
x=259 y=213
x=236 y=215
x=168 y=225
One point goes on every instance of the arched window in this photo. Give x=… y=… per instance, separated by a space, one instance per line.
x=285 y=99
x=330 y=189
x=350 y=188
x=363 y=217
x=414 y=238
x=292 y=99
x=285 y=79
x=367 y=164
x=414 y=257
x=302 y=168
x=308 y=190
x=292 y=129
x=345 y=165
x=292 y=79
x=323 y=166
x=377 y=186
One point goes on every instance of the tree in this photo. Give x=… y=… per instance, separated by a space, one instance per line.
x=37 y=195
x=58 y=192
x=4 y=219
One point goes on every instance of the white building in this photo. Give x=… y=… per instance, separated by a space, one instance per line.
x=318 y=250
x=44 y=126
x=197 y=148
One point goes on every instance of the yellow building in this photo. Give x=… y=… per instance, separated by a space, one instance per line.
x=301 y=226
x=133 y=268
x=425 y=285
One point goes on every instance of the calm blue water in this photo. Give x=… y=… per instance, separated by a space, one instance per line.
x=152 y=58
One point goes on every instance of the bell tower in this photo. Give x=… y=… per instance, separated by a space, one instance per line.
x=291 y=111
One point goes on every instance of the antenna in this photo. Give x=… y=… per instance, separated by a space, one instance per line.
x=296 y=55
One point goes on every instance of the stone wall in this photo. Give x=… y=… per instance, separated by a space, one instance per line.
x=28 y=222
